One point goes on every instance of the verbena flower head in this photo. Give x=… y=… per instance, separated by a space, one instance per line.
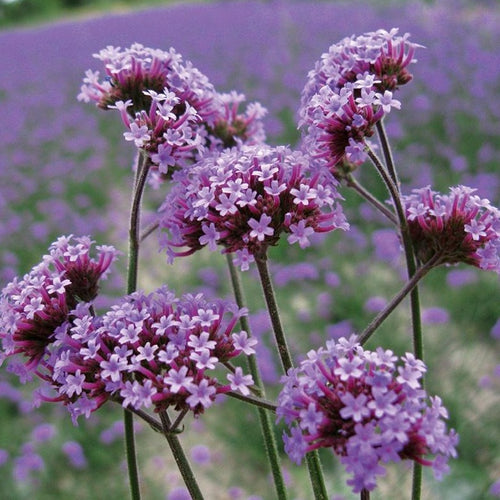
x=34 y=307
x=244 y=199
x=381 y=56
x=350 y=89
x=162 y=351
x=458 y=227
x=368 y=408
x=148 y=350
x=170 y=109
x=233 y=128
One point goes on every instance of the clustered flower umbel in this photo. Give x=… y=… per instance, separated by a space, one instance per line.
x=148 y=350
x=457 y=227
x=162 y=351
x=368 y=408
x=350 y=89
x=244 y=199
x=33 y=308
x=170 y=109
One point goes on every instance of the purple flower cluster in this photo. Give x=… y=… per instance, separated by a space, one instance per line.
x=244 y=199
x=34 y=309
x=162 y=351
x=349 y=91
x=367 y=408
x=458 y=227
x=170 y=108
x=147 y=350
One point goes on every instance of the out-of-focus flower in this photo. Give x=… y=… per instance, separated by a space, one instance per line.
x=33 y=309
x=170 y=109
x=244 y=199
x=348 y=92
x=367 y=408
x=75 y=454
x=458 y=227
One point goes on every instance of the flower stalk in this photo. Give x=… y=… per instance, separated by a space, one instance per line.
x=409 y=286
x=264 y=417
x=392 y=183
x=132 y=272
x=312 y=458
x=180 y=457
x=354 y=184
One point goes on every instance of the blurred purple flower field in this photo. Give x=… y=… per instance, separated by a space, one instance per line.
x=56 y=152
x=64 y=168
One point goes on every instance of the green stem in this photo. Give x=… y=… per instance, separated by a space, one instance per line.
x=180 y=458
x=133 y=260
x=386 y=149
x=391 y=186
x=134 y=225
x=418 y=343
x=264 y=417
x=272 y=307
x=354 y=184
x=253 y=400
x=396 y=300
x=133 y=473
x=312 y=458
x=416 y=490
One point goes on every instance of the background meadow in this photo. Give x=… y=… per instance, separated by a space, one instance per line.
x=65 y=168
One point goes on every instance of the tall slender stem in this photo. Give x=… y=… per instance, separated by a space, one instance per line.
x=272 y=307
x=386 y=149
x=418 y=343
x=354 y=184
x=364 y=495
x=264 y=417
x=391 y=186
x=411 y=265
x=416 y=491
x=134 y=224
x=396 y=300
x=133 y=261
x=133 y=472
x=180 y=457
x=312 y=458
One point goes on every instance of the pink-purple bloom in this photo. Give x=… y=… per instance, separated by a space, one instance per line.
x=350 y=89
x=34 y=308
x=243 y=199
x=151 y=350
x=368 y=407
x=455 y=227
x=171 y=359
x=169 y=107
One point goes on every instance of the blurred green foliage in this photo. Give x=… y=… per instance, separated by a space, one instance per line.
x=25 y=12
